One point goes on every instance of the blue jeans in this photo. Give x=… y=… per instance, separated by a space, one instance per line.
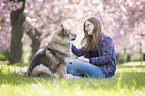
x=80 y=68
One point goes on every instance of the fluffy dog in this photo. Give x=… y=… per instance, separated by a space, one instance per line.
x=53 y=58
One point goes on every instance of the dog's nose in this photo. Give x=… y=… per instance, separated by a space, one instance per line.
x=73 y=37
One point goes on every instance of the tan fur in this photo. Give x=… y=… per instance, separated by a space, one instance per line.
x=54 y=57
x=41 y=70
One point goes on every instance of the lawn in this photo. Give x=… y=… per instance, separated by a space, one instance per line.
x=128 y=81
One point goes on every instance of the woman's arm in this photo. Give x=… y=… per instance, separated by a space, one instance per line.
x=77 y=52
x=107 y=52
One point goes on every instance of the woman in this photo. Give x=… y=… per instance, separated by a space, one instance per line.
x=99 y=54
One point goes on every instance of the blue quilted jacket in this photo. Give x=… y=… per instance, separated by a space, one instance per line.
x=104 y=57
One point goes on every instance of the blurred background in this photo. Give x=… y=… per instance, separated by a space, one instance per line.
x=27 y=25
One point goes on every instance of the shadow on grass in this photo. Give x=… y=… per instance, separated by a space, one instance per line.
x=128 y=79
x=129 y=66
x=16 y=79
x=18 y=64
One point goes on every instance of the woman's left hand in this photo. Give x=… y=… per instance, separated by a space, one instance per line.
x=83 y=59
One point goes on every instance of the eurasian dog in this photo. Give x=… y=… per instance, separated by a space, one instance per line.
x=53 y=58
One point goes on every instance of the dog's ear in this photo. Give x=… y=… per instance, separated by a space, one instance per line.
x=61 y=25
x=62 y=28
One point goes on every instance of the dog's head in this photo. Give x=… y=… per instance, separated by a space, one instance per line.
x=65 y=33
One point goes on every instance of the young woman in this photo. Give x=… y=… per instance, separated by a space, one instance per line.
x=99 y=59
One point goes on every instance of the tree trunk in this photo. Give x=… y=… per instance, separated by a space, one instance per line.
x=143 y=56
x=17 y=21
x=141 y=53
x=35 y=46
x=35 y=37
x=125 y=55
x=117 y=57
x=131 y=54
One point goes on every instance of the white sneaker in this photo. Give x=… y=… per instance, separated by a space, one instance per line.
x=67 y=76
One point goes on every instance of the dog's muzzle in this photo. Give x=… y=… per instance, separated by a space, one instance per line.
x=72 y=37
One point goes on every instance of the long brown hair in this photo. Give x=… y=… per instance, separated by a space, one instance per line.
x=91 y=41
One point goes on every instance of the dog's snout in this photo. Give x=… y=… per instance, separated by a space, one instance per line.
x=73 y=36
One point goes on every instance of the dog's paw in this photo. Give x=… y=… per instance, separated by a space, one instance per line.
x=21 y=71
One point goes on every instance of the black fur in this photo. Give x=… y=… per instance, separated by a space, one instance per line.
x=36 y=60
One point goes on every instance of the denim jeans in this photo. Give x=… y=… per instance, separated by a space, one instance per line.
x=80 y=68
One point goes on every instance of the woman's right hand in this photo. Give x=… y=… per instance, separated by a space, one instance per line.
x=83 y=59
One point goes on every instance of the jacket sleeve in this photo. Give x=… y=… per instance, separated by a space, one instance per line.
x=77 y=52
x=106 y=49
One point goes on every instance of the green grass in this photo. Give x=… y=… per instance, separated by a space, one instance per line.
x=128 y=81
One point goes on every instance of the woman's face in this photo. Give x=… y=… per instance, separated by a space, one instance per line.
x=89 y=27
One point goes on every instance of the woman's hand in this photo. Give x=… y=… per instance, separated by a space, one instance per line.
x=83 y=59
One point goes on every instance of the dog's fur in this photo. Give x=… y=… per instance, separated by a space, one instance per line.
x=53 y=58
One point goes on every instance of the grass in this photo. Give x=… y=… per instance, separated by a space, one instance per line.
x=128 y=81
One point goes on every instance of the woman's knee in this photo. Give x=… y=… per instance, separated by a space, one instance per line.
x=77 y=64
x=68 y=64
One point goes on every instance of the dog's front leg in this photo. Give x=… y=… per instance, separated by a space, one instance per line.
x=60 y=70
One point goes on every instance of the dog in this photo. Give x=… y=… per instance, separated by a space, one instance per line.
x=53 y=58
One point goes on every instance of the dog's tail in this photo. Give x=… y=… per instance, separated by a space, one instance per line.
x=42 y=70
x=36 y=60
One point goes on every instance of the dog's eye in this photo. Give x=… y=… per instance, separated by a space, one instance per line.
x=66 y=32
